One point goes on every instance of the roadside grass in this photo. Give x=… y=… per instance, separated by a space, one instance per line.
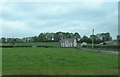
x=57 y=61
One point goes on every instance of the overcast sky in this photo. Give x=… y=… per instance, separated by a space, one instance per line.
x=23 y=19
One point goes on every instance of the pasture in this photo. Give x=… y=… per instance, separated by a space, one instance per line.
x=57 y=61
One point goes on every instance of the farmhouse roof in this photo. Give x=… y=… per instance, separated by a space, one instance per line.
x=111 y=42
x=67 y=39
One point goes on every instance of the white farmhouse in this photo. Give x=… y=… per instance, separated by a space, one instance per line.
x=68 y=42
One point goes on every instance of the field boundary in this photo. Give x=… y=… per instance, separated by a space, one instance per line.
x=28 y=46
x=102 y=51
x=35 y=46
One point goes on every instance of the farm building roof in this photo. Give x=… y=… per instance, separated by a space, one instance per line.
x=113 y=42
x=67 y=39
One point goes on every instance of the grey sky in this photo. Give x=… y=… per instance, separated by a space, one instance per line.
x=22 y=19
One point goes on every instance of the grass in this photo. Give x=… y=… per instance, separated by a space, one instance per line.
x=0 y=61
x=57 y=61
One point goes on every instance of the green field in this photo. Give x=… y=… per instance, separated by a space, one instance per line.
x=57 y=61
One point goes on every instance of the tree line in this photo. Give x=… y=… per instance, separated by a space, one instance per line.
x=56 y=37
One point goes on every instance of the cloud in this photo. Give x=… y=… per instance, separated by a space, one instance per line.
x=30 y=18
x=14 y=28
x=59 y=1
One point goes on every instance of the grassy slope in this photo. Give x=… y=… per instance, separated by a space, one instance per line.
x=57 y=61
